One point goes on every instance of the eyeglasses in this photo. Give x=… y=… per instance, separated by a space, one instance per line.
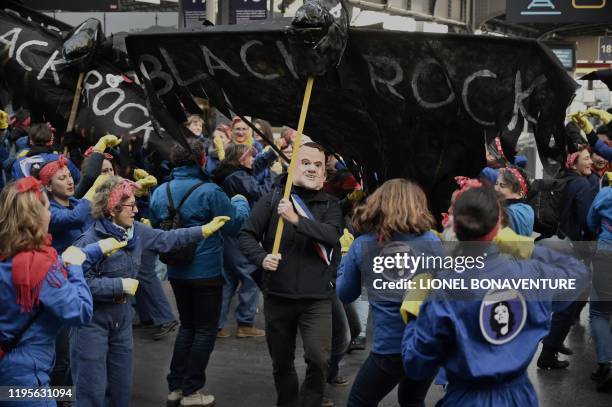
x=132 y=206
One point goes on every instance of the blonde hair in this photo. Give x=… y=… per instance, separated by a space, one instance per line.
x=194 y=118
x=397 y=206
x=20 y=217
x=100 y=200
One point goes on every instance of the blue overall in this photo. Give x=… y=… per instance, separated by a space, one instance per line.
x=480 y=372
x=101 y=351
x=66 y=300
x=151 y=301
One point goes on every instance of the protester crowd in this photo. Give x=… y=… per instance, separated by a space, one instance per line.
x=82 y=237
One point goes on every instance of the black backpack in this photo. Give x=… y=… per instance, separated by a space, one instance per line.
x=546 y=198
x=184 y=256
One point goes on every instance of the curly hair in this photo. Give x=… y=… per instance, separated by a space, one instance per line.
x=100 y=200
x=397 y=206
x=21 y=217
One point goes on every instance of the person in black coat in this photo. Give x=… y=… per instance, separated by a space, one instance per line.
x=298 y=283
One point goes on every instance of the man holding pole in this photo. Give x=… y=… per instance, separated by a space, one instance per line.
x=298 y=281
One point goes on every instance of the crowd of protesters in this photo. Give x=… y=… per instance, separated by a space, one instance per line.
x=81 y=238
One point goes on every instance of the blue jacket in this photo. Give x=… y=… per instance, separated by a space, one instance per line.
x=104 y=277
x=599 y=218
x=520 y=217
x=206 y=202
x=387 y=321
x=21 y=167
x=68 y=223
x=578 y=197
x=239 y=180
x=482 y=369
x=65 y=300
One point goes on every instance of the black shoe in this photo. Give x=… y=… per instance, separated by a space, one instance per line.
x=604 y=384
x=338 y=381
x=164 y=330
x=359 y=343
x=565 y=350
x=548 y=360
x=602 y=371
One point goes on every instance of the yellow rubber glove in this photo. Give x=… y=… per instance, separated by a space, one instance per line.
x=73 y=256
x=144 y=185
x=583 y=122
x=140 y=174
x=515 y=245
x=414 y=298
x=4 y=118
x=130 y=285
x=218 y=142
x=145 y=222
x=600 y=114
x=346 y=240
x=214 y=225
x=111 y=245
x=356 y=196
x=106 y=142
x=89 y=195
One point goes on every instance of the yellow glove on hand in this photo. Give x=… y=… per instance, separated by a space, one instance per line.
x=601 y=114
x=129 y=285
x=581 y=120
x=144 y=185
x=513 y=244
x=145 y=222
x=214 y=225
x=346 y=240
x=140 y=174
x=105 y=142
x=89 y=195
x=4 y=119
x=356 y=196
x=414 y=298
x=111 y=245
x=218 y=142
x=73 y=256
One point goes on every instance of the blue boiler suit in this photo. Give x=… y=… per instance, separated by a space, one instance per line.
x=480 y=373
x=65 y=300
x=101 y=351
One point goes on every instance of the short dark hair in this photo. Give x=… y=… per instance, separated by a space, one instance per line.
x=181 y=157
x=40 y=134
x=475 y=213
x=314 y=145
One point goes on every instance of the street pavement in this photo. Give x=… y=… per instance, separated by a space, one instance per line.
x=239 y=373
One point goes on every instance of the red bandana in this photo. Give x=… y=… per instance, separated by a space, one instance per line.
x=570 y=160
x=520 y=179
x=48 y=170
x=29 y=184
x=122 y=191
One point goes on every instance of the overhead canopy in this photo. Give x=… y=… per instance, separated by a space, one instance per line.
x=400 y=104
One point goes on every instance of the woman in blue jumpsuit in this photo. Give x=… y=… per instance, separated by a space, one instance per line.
x=101 y=351
x=395 y=214
x=485 y=346
x=36 y=287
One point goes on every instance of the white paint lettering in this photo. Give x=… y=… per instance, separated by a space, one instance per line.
x=243 y=58
x=382 y=61
x=50 y=65
x=175 y=71
x=485 y=73
x=96 y=101
x=24 y=46
x=12 y=43
x=123 y=108
x=520 y=96
x=418 y=71
x=209 y=56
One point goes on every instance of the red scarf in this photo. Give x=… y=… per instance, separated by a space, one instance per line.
x=29 y=270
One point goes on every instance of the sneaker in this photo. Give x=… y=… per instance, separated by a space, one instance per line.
x=198 y=399
x=223 y=333
x=327 y=402
x=164 y=330
x=174 y=398
x=250 y=332
x=359 y=343
x=338 y=381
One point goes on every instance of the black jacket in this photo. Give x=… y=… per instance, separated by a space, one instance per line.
x=579 y=194
x=301 y=274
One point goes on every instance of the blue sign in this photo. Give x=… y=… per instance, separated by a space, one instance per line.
x=559 y=11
